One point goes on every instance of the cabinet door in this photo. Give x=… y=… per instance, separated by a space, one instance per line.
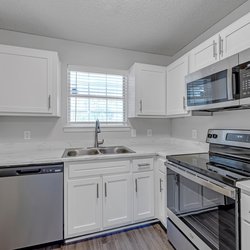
x=151 y=90
x=176 y=72
x=204 y=54
x=143 y=196
x=236 y=37
x=245 y=233
x=190 y=195
x=27 y=78
x=162 y=194
x=84 y=206
x=117 y=200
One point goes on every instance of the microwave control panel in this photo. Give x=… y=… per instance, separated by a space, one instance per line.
x=245 y=80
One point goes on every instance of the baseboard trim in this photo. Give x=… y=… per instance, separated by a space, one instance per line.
x=111 y=231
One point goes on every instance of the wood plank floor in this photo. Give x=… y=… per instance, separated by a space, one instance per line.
x=151 y=237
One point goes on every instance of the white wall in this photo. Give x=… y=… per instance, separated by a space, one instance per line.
x=182 y=127
x=11 y=128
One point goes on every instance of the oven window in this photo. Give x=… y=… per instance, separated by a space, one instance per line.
x=208 y=90
x=209 y=214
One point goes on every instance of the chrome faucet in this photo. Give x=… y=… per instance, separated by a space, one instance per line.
x=97 y=131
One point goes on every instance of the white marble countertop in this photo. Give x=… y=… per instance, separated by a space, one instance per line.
x=244 y=185
x=20 y=155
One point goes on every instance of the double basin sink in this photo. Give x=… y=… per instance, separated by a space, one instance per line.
x=73 y=152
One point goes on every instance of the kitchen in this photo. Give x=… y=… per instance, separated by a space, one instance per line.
x=51 y=142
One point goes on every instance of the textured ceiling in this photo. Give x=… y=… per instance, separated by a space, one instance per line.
x=153 y=26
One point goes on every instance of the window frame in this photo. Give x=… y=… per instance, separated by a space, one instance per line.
x=88 y=126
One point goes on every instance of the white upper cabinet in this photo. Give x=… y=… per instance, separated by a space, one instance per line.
x=147 y=90
x=231 y=40
x=30 y=82
x=236 y=37
x=205 y=54
x=176 y=72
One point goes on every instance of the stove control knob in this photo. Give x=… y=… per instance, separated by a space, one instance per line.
x=215 y=136
x=209 y=135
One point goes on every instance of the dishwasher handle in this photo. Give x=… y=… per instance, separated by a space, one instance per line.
x=29 y=171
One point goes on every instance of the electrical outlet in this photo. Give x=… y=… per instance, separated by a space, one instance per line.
x=27 y=135
x=133 y=132
x=194 y=134
x=149 y=132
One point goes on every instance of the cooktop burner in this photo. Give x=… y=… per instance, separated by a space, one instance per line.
x=228 y=160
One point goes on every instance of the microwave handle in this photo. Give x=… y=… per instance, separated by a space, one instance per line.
x=231 y=86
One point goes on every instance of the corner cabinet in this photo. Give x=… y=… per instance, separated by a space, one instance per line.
x=30 y=82
x=147 y=91
x=176 y=100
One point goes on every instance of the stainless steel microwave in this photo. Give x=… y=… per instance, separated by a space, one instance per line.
x=223 y=85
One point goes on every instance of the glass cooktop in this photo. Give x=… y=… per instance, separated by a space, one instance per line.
x=221 y=168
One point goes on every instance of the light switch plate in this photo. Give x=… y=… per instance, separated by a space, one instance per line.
x=27 y=135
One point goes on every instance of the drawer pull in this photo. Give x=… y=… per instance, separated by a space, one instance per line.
x=136 y=189
x=143 y=164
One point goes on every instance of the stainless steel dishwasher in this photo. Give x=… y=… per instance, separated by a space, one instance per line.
x=31 y=205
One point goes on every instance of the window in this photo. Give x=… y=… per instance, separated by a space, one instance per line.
x=93 y=95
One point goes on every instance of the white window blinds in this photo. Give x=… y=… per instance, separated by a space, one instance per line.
x=94 y=96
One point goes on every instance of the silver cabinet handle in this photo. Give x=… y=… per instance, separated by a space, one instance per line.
x=140 y=106
x=136 y=188
x=143 y=164
x=49 y=102
x=184 y=102
x=161 y=185
x=214 y=49
x=97 y=191
x=220 y=46
x=105 y=189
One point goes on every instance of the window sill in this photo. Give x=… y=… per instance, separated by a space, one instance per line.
x=75 y=128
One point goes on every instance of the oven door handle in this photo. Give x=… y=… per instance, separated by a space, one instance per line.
x=225 y=190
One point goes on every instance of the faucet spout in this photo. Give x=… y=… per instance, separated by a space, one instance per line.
x=97 y=131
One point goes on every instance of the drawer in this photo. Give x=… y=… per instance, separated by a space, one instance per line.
x=245 y=207
x=161 y=165
x=82 y=169
x=143 y=164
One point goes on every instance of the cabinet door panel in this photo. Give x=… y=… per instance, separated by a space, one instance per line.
x=236 y=37
x=26 y=80
x=84 y=205
x=162 y=197
x=204 y=54
x=176 y=73
x=143 y=196
x=117 y=200
x=151 y=82
x=245 y=232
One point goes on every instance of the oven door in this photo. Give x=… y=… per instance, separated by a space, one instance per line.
x=207 y=209
x=213 y=87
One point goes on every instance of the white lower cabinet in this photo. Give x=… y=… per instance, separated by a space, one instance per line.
x=245 y=232
x=143 y=196
x=117 y=200
x=84 y=205
x=100 y=195
x=162 y=197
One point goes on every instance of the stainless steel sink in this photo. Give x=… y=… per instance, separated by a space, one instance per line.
x=115 y=150
x=80 y=152
x=73 y=152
